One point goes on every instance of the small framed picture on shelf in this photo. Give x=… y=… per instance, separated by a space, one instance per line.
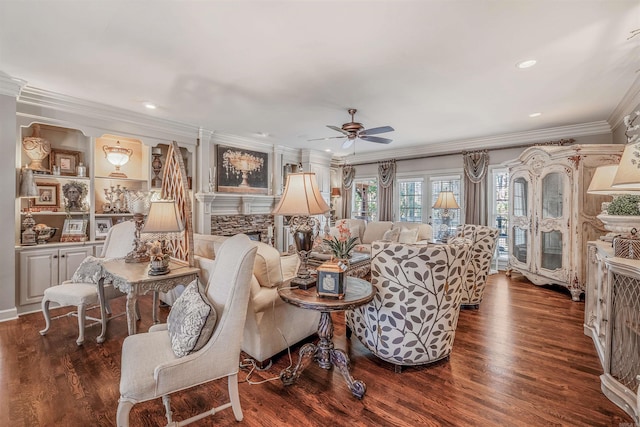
x=48 y=194
x=66 y=160
x=74 y=230
x=102 y=227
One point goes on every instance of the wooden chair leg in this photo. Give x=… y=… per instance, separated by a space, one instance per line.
x=235 y=397
x=81 y=321
x=47 y=316
x=122 y=415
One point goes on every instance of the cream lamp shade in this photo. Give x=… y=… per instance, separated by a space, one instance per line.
x=446 y=200
x=602 y=182
x=163 y=218
x=628 y=175
x=301 y=196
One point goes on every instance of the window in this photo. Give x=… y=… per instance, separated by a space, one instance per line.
x=410 y=197
x=365 y=199
x=444 y=223
x=500 y=212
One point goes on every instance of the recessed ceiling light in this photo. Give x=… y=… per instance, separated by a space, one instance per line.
x=150 y=105
x=328 y=150
x=532 y=115
x=262 y=134
x=526 y=63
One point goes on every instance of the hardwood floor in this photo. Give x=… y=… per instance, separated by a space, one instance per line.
x=520 y=360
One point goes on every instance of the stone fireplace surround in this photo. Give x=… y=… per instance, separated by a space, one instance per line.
x=229 y=225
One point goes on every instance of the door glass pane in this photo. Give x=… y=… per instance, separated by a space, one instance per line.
x=552 y=196
x=520 y=197
x=551 y=250
x=519 y=248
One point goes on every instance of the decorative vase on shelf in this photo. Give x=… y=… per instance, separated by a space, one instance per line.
x=37 y=149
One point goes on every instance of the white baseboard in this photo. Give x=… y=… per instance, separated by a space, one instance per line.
x=10 y=314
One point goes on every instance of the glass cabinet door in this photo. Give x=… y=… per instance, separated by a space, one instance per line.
x=552 y=197
x=519 y=238
x=552 y=186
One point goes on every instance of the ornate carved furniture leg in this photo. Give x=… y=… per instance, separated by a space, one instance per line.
x=325 y=344
x=131 y=310
x=340 y=359
x=103 y=311
x=307 y=353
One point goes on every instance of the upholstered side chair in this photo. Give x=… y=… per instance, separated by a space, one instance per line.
x=119 y=242
x=150 y=368
x=483 y=245
x=413 y=316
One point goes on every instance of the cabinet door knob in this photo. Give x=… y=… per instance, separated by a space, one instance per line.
x=55 y=256
x=61 y=256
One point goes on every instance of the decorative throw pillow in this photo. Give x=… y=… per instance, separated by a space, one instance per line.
x=408 y=235
x=391 y=235
x=89 y=271
x=191 y=321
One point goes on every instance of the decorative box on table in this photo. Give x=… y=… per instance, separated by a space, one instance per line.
x=331 y=279
x=627 y=246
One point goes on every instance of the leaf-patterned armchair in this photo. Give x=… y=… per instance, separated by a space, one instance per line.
x=413 y=317
x=483 y=245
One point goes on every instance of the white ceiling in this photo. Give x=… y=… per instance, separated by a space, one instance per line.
x=436 y=71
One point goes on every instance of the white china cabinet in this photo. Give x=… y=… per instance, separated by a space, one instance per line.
x=551 y=215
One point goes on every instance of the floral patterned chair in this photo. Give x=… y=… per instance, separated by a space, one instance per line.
x=413 y=317
x=483 y=245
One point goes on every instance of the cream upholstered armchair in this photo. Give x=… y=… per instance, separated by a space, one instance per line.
x=413 y=316
x=272 y=324
x=150 y=367
x=483 y=245
x=82 y=291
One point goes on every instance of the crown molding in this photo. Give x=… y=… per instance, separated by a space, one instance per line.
x=253 y=144
x=102 y=115
x=498 y=141
x=627 y=104
x=11 y=86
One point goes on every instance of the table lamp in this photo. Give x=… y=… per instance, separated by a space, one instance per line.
x=117 y=156
x=446 y=201
x=301 y=199
x=28 y=190
x=163 y=221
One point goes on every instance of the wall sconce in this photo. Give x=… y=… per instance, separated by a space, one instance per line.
x=117 y=156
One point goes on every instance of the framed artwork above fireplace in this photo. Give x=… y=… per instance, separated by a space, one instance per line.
x=241 y=171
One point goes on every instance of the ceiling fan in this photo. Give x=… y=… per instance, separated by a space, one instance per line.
x=353 y=130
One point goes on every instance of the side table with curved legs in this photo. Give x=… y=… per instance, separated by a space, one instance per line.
x=358 y=292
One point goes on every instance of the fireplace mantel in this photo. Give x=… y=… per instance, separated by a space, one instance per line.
x=236 y=204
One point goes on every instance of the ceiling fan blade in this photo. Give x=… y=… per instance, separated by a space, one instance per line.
x=336 y=128
x=375 y=131
x=347 y=143
x=329 y=137
x=376 y=139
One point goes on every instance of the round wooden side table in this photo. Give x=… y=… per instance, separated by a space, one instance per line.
x=358 y=292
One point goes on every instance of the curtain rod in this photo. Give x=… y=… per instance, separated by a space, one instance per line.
x=560 y=142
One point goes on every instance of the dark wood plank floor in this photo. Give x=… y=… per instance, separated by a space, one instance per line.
x=520 y=360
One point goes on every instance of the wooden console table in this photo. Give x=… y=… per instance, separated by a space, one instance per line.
x=134 y=280
x=358 y=292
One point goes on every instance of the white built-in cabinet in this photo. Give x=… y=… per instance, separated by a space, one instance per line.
x=612 y=320
x=46 y=266
x=551 y=215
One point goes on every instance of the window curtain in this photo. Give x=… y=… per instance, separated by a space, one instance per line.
x=386 y=180
x=348 y=173
x=476 y=165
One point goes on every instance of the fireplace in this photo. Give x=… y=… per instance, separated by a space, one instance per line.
x=255 y=226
